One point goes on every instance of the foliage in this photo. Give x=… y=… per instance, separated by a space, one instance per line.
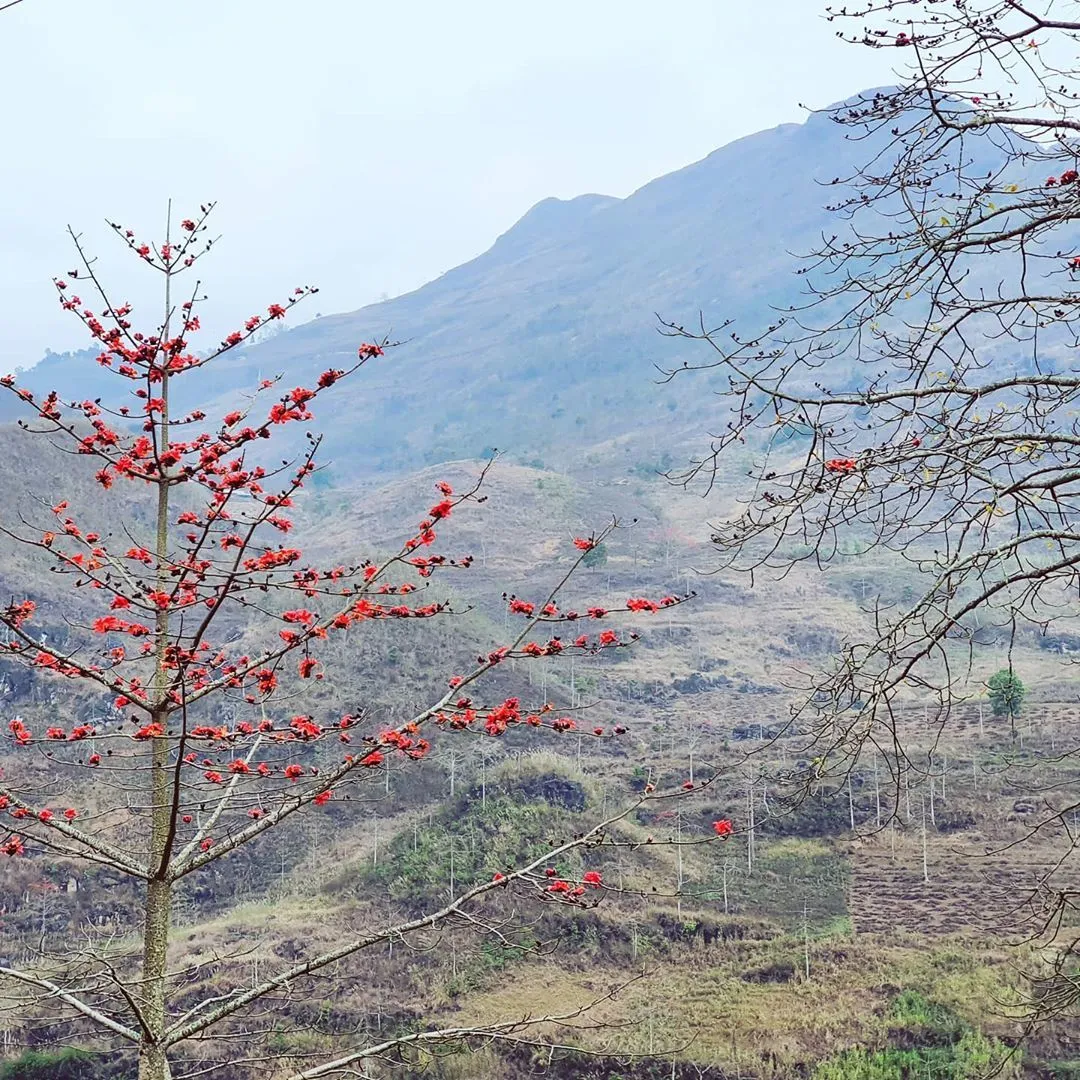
x=596 y=556
x=913 y=1009
x=477 y=836
x=972 y=1057
x=650 y=470
x=792 y=879
x=67 y=1064
x=1006 y=693
x=946 y=1048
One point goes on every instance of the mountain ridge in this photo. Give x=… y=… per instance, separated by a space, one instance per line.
x=545 y=344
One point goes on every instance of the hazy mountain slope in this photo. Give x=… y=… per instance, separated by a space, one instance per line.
x=556 y=321
x=544 y=344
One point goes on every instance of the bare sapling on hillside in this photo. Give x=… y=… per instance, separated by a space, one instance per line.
x=201 y=645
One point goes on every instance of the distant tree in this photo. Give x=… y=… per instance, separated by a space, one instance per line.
x=206 y=635
x=596 y=556
x=1006 y=693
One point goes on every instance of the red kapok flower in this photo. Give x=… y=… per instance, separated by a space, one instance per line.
x=843 y=466
x=723 y=827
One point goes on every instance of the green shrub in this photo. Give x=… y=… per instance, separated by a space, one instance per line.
x=959 y=1052
x=913 y=1010
x=69 y=1063
x=479 y=835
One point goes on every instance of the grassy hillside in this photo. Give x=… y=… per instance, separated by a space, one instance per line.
x=866 y=934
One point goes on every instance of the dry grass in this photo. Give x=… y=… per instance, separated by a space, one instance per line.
x=700 y=1005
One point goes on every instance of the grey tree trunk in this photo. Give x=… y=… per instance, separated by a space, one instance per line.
x=153 y=1063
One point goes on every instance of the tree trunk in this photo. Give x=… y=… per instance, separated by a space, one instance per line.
x=925 y=861
x=877 y=794
x=153 y=1063
x=679 y=871
x=806 y=940
x=750 y=826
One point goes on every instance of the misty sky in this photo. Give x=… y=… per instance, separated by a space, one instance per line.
x=364 y=147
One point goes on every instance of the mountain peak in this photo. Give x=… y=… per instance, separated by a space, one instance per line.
x=551 y=218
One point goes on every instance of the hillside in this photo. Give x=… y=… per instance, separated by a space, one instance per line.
x=902 y=935
x=848 y=917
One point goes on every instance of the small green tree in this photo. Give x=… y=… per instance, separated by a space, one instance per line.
x=595 y=556
x=1006 y=693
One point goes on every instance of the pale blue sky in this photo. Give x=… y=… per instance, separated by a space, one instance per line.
x=365 y=147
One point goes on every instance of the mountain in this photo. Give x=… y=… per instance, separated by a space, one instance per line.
x=545 y=344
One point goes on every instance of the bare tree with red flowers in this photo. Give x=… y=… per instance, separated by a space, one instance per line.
x=200 y=636
x=922 y=397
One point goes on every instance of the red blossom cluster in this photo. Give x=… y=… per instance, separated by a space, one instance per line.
x=463 y=716
x=550 y=611
x=567 y=891
x=15 y=845
x=841 y=466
